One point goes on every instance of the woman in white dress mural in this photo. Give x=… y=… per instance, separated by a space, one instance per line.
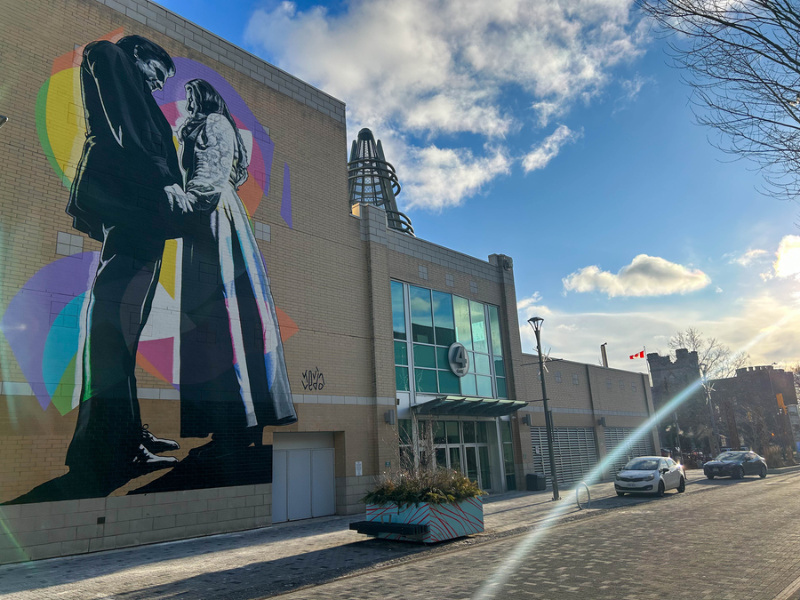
x=233 y=378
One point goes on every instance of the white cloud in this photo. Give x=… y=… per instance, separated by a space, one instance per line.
x=645 y=276
x=787 y=262
x=763 y=325
x=749 y=257
x=447 y=67
x=531 y=300
x=631 y=89
x=548 y=149
x=442 y=177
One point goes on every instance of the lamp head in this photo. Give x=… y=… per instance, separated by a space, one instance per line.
x=3 y=120
x=536 y=323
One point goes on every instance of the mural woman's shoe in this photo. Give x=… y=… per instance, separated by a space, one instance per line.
x=156 y=445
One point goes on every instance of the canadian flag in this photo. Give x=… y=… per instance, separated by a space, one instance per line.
x=638 y=355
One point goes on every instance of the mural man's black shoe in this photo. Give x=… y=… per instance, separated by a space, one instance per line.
x=145 y=461
x=156 y=445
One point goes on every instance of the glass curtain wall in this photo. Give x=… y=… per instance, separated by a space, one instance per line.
x=425 y=323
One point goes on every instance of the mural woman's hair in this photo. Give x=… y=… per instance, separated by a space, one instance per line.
x=147 y=51
x=210 y=101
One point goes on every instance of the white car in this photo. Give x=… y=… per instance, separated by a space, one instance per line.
x=650 y=475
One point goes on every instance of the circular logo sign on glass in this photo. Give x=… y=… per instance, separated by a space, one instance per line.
x=458 y=358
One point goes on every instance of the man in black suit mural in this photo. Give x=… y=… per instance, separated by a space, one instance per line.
x=124 y=195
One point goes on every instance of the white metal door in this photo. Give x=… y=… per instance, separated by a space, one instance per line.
x=574 y=450
x=298 y=486
x=323 y=485
x=279 y=486
x=303 y=484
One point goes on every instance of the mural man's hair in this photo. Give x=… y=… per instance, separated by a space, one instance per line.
x=147 y=50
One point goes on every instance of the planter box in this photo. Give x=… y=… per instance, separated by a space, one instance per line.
x=444 y=521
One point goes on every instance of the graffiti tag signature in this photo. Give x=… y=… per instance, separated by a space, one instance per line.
x=313 y=380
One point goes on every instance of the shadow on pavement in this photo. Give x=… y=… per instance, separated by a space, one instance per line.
x=268 y=578
x=289 y=572
x=254 y=580
x=722 y=481
x=629 y=500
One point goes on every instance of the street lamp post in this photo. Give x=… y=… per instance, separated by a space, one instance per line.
x=536 y=323
x=714 y=428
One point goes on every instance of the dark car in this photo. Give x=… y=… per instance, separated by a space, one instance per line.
x=736 y=464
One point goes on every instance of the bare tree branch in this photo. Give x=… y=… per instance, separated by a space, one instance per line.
x=742 y=60
x=718 y=358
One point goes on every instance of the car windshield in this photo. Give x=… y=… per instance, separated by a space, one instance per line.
x=642 y=464
x=730 y=457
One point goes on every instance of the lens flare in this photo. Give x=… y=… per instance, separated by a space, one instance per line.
x=514 y=560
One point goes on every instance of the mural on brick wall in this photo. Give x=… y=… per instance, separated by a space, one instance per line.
x=164 y=163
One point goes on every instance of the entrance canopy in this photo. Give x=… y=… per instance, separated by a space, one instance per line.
x=466 y=406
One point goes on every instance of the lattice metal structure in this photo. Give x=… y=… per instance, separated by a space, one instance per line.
x=372 y=180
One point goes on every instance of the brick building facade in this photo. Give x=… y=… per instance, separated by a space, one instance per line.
x=753 y=407
x=355 y=320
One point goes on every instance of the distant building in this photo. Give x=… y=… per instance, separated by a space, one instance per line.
x=754 y=407
x=751 y=408
x=595 y=412
x=688 y=425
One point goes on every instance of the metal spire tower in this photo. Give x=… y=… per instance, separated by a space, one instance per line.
x=372 y=180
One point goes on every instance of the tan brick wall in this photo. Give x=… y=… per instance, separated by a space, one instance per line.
x=318 y=268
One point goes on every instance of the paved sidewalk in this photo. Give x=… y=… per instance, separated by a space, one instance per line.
x=273 y=560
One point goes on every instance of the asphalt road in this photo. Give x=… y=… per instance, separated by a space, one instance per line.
x=721 y=540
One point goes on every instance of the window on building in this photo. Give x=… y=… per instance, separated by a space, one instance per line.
x=399 y=333
x=497 y=352
x=436 y=320
x=608 y=384
x=421 y=316
x=575 y=379
x=558 y=376
x=406 y=430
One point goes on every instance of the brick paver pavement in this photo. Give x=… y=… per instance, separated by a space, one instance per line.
x=263 y=563
x=740 y=542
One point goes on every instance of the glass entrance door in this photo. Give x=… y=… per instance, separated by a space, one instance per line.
x=462 y=446
x=472 y=463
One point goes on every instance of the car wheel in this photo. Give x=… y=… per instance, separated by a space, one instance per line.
x=738 y=473
x=709 y=477
x=661 y=489
x=763 y=472
x=620 y=494
x=682 y=486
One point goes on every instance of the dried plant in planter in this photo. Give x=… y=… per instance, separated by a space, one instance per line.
x=436 y=486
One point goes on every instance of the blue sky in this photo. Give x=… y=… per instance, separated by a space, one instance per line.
x=555 y=133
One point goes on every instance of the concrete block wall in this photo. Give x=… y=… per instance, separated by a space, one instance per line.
x=46 y=530
x=620 y=398
x=350 y=491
